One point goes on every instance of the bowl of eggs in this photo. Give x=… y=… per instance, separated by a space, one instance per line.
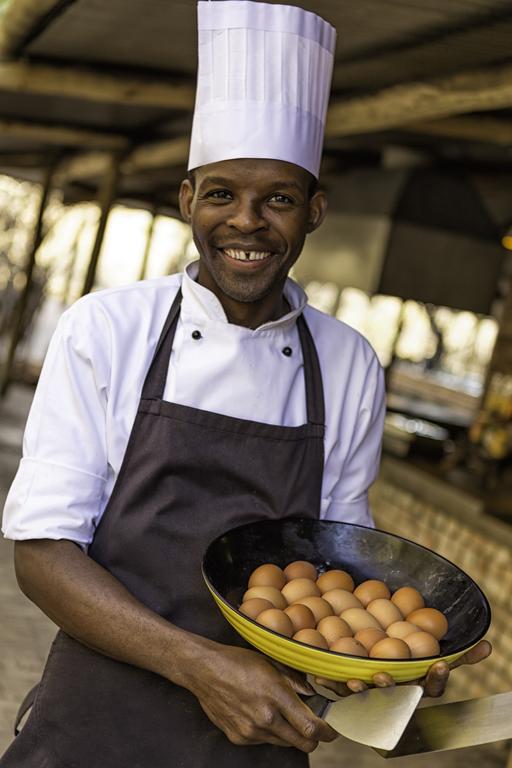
x=343 y=601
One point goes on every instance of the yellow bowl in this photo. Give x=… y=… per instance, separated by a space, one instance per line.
x=366 y=553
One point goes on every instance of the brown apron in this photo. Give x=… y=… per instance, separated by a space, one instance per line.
x=187 y=476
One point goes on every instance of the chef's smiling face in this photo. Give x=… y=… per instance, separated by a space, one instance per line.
x=249 y=220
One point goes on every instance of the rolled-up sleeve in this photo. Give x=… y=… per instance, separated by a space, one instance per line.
x=59 y=487
x=348 y=497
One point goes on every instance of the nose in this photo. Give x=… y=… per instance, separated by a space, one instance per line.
x=246 y=217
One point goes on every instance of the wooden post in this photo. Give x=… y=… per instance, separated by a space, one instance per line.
x=106 y=197
x=149 y=241
x=17 y=326
x=66 y=294
x=501 y=358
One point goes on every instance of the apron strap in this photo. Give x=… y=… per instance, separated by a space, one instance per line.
x=315 y=403
x=156 y=377
x=154 y=384
x=24 y=707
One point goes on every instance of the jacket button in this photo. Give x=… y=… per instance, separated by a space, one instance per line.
x=287 y=351
x=196 y=335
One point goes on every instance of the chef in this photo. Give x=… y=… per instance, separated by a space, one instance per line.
x=174 y=409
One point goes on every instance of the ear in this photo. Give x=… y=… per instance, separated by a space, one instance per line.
x=186 y=197
x=317 y=210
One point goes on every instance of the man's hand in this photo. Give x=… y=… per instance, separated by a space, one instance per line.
x=254 y=703
x=239 y=690
x=434 y=683
x=437 y=677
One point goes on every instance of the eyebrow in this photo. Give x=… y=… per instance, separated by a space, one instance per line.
x=223 y=182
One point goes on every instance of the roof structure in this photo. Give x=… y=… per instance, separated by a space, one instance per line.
x=82 y=81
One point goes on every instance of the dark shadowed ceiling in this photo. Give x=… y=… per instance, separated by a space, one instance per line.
x=395 y=84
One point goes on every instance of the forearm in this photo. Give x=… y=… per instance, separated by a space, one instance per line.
x=92 y=606
x=240 y=692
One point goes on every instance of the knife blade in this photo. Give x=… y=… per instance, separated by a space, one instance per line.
x=376 y=717
x=456 y=725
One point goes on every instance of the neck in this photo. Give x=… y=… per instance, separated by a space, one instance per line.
x=250 y=314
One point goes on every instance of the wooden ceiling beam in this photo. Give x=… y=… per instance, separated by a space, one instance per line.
x=20 y=159
x=93 y=84
x=18 y=19
x=146 y=157
x=63 y=136
x=400 y=105
x=488 y=130
x=161 y=154
x=82 y=167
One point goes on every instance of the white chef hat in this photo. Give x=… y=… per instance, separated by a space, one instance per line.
x=263 y=84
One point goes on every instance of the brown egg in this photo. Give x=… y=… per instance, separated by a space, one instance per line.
x=296 y=589
x=349 y=645
x=311 y=637
x=276 y=620
x=401 y=629
x=384 y=611
x=254 y=607
x=300 y=569
x=422 y=644
x=341 y=599
x=335 y=580
x=358 y=618
x=319 y=607
x=371 y=590
x=390 y=648
x=332 y=627
x=267 y=576
x=368 y=637
x=271 y=594
x=407 y=600
x=430 y=620
x=300 y=616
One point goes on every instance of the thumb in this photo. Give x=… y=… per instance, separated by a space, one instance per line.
x=298 y=683
x=299 y=686
x=296 y=680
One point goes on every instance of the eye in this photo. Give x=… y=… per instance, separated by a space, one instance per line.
x=279 y=198
x=219 y=194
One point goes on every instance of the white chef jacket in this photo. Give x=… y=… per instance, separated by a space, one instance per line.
x=89 y=390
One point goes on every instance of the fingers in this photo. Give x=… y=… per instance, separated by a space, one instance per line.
x=356 y=686
x=481 y=651
x=436 y=679
x=307 y=725
x=268 y=726
x=297 y=682
x=383 y=680
x=304 y=739
x=241 y=741
x=339 y=688
x=342 y=689
x=380 y=680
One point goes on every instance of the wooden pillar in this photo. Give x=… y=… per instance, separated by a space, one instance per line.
x=106 y=197
x=149 y=241
x=66 y=294
x=17 y=326
x=490 y=431
x=501 y=360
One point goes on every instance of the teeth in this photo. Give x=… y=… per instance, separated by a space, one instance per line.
x=246 y=255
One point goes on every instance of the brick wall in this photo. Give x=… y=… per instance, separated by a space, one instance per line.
x=402 y=503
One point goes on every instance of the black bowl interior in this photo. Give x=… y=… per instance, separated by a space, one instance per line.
x=365 y=553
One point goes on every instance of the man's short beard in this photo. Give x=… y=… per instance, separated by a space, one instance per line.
x=241 y=290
